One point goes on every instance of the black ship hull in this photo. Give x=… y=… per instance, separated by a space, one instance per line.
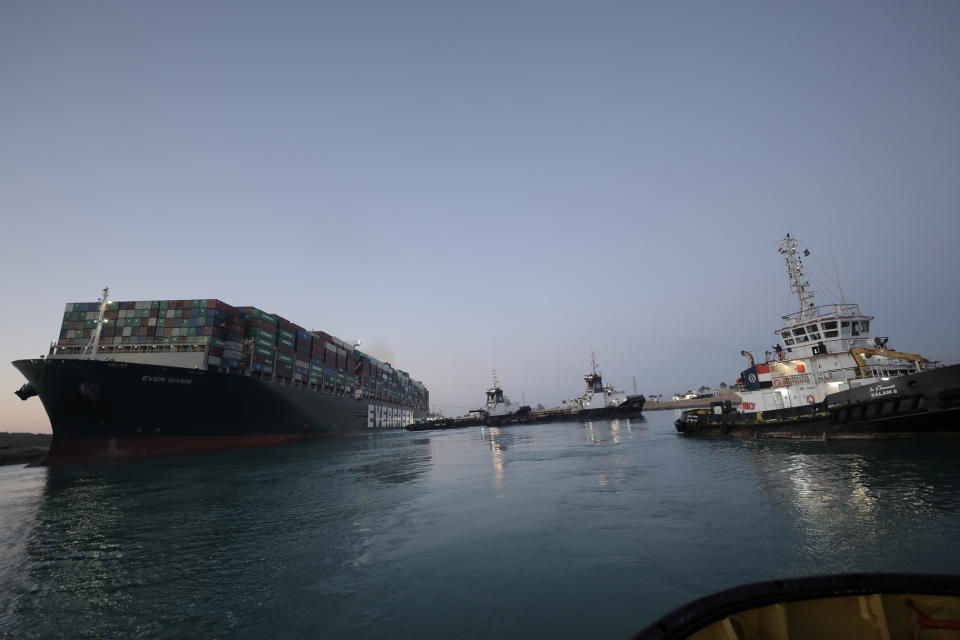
x=924 y=404
x=105 y=409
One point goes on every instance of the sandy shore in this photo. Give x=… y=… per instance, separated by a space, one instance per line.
x=24 y=447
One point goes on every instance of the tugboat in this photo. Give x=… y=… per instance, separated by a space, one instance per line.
x=831 y=378
x=497 y=409
x=498 y=404
x=601 y=400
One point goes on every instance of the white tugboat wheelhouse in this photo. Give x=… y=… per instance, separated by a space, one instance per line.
x=822 y=350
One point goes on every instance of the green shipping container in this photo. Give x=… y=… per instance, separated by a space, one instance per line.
x=257 y=313
x=284 y=358
x=267 y=336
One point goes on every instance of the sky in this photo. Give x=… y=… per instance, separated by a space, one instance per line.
x=468 y=186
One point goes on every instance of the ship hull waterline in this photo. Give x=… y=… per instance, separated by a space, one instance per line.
x=920 y=405
x=104 y=410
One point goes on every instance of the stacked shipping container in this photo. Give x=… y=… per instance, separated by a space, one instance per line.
x=239 y=339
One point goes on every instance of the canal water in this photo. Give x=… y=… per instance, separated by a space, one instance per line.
x=554 y=530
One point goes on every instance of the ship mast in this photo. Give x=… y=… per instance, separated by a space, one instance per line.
x=94 y=345
x=798 y=282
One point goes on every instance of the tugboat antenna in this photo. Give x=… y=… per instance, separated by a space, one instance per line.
x=798 y=284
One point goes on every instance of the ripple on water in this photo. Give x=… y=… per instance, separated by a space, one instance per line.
x=567 y=530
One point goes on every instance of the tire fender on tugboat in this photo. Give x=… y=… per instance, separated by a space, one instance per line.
x=810 y=399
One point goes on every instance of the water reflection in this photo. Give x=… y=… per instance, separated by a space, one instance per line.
x=610 y=431
x=847 y=496
x=177 y=547
x=500 y=441
x=495 y=438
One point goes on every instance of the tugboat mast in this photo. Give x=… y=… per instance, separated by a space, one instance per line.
x=798 y=282
x=94 y=344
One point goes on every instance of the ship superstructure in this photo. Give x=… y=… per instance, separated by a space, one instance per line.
x=822 y=350
x=597 y=395
x=496 y=403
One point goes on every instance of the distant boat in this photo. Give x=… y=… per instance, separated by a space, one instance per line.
x=597 y=402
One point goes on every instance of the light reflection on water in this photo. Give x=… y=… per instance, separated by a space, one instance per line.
x=568 y=530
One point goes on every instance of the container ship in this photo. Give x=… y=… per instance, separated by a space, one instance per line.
x=140 y=378
x=829 y=377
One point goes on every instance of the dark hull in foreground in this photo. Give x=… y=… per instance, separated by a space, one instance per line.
x=632 y=408
x=864 y=606
x=102 y=409
x=925 y=404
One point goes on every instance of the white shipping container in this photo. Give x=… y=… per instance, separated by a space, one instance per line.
x=127 y=331
x=151 y=322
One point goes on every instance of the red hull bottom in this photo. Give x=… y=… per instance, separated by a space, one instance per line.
x=87 y=449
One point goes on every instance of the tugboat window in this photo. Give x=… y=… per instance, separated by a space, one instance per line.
x=856 y=328
x=830 y=334
x=830 y=325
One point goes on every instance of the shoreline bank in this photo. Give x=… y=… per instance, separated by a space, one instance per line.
x=23 y=448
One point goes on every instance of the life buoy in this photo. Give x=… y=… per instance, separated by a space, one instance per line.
x=747 y=406
x=811 y=399
x=778 y=382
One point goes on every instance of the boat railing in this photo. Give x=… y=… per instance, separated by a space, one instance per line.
x=839 y=309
